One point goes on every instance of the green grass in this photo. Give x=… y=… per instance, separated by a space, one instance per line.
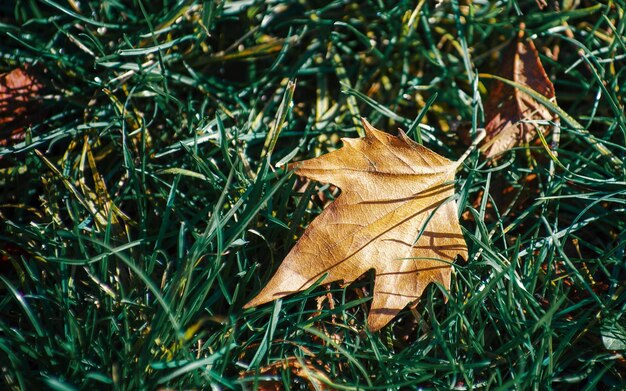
x=145 y=205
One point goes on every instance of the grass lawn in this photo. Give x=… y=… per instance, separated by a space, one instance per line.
x=145 y=197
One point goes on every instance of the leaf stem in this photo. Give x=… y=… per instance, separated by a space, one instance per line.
x=480 y=135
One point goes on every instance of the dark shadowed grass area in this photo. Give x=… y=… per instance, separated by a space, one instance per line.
x=146 y=200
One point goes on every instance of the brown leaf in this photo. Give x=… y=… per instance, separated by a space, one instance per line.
x=392 y=189
x=507 y=107
x=303 y=369
x=18 y=93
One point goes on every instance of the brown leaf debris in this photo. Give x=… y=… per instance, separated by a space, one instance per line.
x=18 y=93
x=507 y=108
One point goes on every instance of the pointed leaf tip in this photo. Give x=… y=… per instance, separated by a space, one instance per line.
x=369 y=129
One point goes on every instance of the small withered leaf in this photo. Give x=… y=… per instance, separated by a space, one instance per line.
x=509 y=112
x=19 y=93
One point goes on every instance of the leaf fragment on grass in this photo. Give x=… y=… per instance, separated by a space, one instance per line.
x=18 y=92
x=509 y=112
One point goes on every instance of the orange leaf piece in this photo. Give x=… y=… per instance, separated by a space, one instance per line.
x=395 y=215
x=507 y=108
x=18 y=95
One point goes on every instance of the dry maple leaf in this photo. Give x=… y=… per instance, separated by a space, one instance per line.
x=507 y=108
x=395 y=215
